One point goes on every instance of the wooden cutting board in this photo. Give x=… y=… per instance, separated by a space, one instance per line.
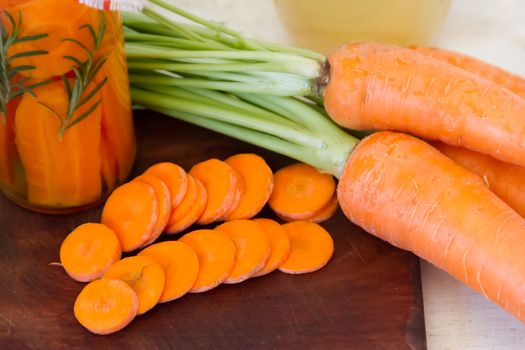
x=367 y=297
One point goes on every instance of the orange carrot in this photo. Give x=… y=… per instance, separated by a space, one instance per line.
x=164 y=204
x=88 y=252
x=59 y=20
x=117 y=118
x=180 y=264
x=8 y=152
x=507 y=181
x=144 y=276
x=174 y=177
x=132 y=212
x=485 y=70
x=376 y=86
x=108 y=165
x=300 y=191
x=60 y=173
x=216 y=253
x=258 y=181
x=223 y=185
x=280 y=245
x=106 y=306
x=311 y=247
x=253 y=248
x=191 y=208
x=419 y=200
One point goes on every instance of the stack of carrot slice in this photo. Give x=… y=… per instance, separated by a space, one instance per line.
x=199 y=261
x=167 y=199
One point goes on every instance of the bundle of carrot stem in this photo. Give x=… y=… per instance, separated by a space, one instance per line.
x=395 y=186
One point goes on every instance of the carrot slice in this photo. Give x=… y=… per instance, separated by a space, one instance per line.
x=300 y=191
x=144 y=276
x=327 y=212
x=258 y=181
x=132 y=211
x=88 y=251
x=253 y=248
x=223 y=185
x=164 y=204
x=191 y=208
x=174 y=177
x=280 y=245
x=312 y=247
x=106 y=306
x=216 y=253
x=322 y=215
x=180 y=264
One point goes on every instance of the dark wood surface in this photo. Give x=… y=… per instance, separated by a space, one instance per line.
x=367 y=297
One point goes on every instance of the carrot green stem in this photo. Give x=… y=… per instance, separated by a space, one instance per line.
x=209 y=75
x=326 y=149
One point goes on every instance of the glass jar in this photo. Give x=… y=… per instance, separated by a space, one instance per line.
x=322 y=25
x=66 y=127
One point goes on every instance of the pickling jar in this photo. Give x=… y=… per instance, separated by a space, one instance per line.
x=66 y=127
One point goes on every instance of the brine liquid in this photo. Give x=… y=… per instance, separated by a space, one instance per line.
x=322 y=25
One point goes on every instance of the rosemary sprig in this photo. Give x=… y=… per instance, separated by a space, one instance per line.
x=8 y=88
x=84 y=72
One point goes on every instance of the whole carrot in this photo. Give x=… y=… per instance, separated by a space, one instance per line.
x=419 y=200
x=485 y=70
x=381 y=87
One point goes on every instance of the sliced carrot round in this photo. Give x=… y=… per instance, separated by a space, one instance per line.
x=327 y=212
x=163 y=199
x=258 y=184
x=106 y=306
x=174 y=177
x=253 y=248
x=180 y=264
x=322 y=215
x=223 y=185
x=312 y=247
x=144 y=276
x=300 y=191
x=131 y=211
x=88 y=251
x=280 y=245
x=216 y=253
x=190 y=209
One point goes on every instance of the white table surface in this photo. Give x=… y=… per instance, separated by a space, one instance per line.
x=493 y=30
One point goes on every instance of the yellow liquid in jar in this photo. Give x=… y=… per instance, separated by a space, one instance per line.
x=322 y=25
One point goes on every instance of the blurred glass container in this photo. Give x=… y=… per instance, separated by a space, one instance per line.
x=322 y=25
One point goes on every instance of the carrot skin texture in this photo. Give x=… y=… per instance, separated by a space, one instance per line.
x=376 y=86
x=485 y=70
x=506 y=180
x=405 y=192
